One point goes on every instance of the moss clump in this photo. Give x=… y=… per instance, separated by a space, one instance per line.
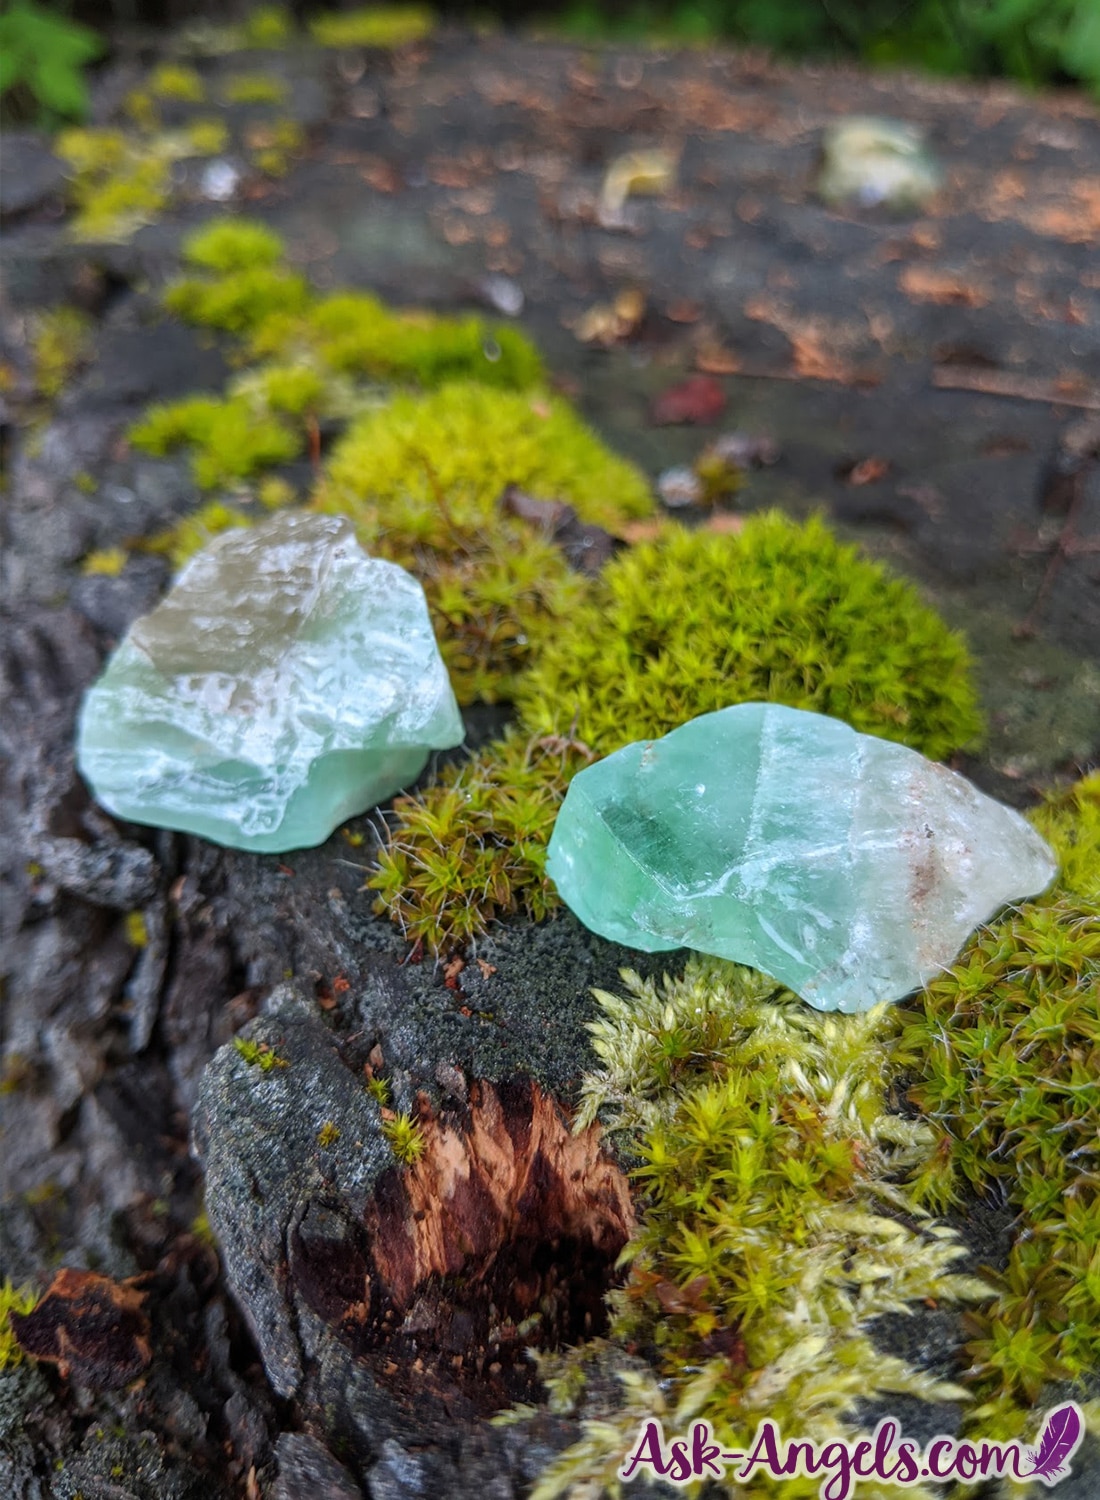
x=254 y=88
x=233 y=245
x=405 y=1137
x=771 y=1231
x=494 y=600
x=1003 y=1053
x=242 y=280
x=352 y=333
x=190 y=535
x=231 y=438
x=378 y=26
x=238 y=300
x=780 y=612
x=116 y=184
x=259 y=1055
x=60 y=343
x=468 y=444
x=13 y=1299
x=472 y=847
x=268 y=26
x=171 y=81
x=120 y=181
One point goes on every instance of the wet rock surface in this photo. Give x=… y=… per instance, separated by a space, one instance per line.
x=132 y=957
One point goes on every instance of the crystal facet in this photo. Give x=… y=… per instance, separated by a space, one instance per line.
x=287 y=682
x=849 y=868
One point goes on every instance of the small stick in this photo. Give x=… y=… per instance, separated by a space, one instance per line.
x=1015 y=387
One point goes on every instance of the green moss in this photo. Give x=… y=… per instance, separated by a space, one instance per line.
x=379 y=26
x=771 y=1231
x=780 y=612
x=254 y=88
x=120 y=181
x=405 y=1137
x=273 y=143
x=494 y=601
x=294 y=390
x=170 y=81
x=268 y=26
x=61 y=342
x=352 y=333
x=243 y=281
x=13 y=1299
x=467 y=443
x=328 y=1134
x=192 y=533
x=238 y=300
x=1003 y=1053
x=231 y=439
x=259 y=1055
x=233 y=245
x=472 y=847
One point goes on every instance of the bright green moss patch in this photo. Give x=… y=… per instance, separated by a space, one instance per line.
x=171 y=81
x=405 y=1137
x=259 y=1055
x=254 y=88
x=13 y=1299
x=268 y=26
x=473 y=846
x=1003 y=1053
x=493 y=602
x=780 y=612
x=237 y=301
x=230 y=438
x=771 y=1229
x=354 y=334
x=376 y=26
x=61 y=341
x=468 y=443
x=242 y=280
x=233 y=245
x=191 y=534
x=122 y=180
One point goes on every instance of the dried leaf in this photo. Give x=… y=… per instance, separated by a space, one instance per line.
x=700 y=398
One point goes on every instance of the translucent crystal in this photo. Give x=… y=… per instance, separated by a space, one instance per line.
x=287 y=682
x=849 y=868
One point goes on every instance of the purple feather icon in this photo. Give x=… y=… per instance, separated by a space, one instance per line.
x=1058 y=1442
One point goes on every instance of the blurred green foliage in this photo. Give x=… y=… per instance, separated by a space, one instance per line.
x=1036 y=41
x=42 y=60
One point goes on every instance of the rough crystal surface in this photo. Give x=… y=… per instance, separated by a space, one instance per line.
x=287 y=682
x=849 y=868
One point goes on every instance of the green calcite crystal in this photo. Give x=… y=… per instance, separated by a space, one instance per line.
x=287 y=682
x=849 y=868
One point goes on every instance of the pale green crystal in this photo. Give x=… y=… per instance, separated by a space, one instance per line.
x=849 y=868
x=287 y=682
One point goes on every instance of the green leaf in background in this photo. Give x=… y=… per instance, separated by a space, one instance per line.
x=45 y=54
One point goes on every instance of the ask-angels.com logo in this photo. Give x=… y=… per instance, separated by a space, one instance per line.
x=885 y=1456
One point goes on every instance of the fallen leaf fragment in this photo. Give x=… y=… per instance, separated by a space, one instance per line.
x=637 y=172
x=943 y=288
x=609 y=323
x=94 y=1329
x=867 y=471
x=700 y=398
